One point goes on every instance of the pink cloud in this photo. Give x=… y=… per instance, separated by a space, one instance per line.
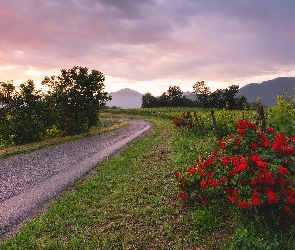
x=150 y=40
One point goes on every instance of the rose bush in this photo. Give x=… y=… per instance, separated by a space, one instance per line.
x=250 y=169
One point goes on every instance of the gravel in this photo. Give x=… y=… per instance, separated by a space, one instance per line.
x=30 y=180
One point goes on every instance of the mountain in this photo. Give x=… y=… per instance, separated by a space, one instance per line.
x=190 y=95
x=267 y=91
x=125 y=98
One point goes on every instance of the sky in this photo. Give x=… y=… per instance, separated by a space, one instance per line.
x=149 y=45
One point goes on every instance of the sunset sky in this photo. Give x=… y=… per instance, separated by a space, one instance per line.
x=148 y=45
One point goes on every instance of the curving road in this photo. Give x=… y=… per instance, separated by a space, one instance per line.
x=30 y=180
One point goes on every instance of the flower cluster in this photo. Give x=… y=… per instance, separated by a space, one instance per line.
x=185 y=121
x=250 y=168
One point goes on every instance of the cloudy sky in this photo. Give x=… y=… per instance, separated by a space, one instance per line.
x=148 y=45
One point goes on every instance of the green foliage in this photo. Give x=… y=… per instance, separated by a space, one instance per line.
x=25 y=116
x=282 y=116
x=222 y=99
x=77 y=95
x=173 y=97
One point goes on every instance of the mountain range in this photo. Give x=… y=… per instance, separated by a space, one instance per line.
x=266 y=91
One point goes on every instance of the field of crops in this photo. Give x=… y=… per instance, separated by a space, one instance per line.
x=225 y=119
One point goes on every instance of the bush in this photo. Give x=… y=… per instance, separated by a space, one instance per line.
x=250 y=169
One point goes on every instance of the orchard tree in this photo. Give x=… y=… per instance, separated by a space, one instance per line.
x=78 y=95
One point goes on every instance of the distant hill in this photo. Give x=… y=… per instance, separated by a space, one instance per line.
x=190 y=95
x=267 y=91
x=128 y=98
x=125 y=98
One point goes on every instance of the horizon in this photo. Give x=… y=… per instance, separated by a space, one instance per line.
x=149 y=45
x=185 y=91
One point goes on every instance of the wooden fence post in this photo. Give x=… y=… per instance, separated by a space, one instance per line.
x=261 y=117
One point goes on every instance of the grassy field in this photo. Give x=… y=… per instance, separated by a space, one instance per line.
x=130 y=202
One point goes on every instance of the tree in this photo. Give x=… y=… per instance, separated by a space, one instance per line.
x=149 y=101
x=175 y=96
x=229 y=96
x=25 y=116
x=202 y=93
x=77 y=94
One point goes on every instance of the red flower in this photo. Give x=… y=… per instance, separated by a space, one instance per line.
x=283 y=171
x=291 y=199
x=253 y=181
x=281 y=181
x=208 y=163
x=287 y=209
x=241 y=168
x=182 y=195
x=203 y=184
x=223 y=180
x=222 y=145
x=271 y=196
x=212 y=183
x=235 y=160
x=204 y=202
x=232 y=199
x=255 y=199
x=255 y=158
x=266 y=143
x=177 y=175
x=269 y=178
x=270 y=130
x=235 y=192
x=285 y=191
x=253 y=146
x=237 y=142
x=241 y=132
x=225 y=160
x=243 y=204
x=191 y=172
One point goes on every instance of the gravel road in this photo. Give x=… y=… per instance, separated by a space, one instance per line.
x=30 y=180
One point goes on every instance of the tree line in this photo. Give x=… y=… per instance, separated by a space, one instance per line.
x=70 y=106
x=204 y=98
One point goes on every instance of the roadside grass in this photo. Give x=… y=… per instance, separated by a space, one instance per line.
x=104 y=125
x=130 y=202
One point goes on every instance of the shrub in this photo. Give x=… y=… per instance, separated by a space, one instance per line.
x=250 y=169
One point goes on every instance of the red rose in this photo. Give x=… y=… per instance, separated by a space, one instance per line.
x=243 y=204
x=283 y=171
x=204 y=202
x=182 y=196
